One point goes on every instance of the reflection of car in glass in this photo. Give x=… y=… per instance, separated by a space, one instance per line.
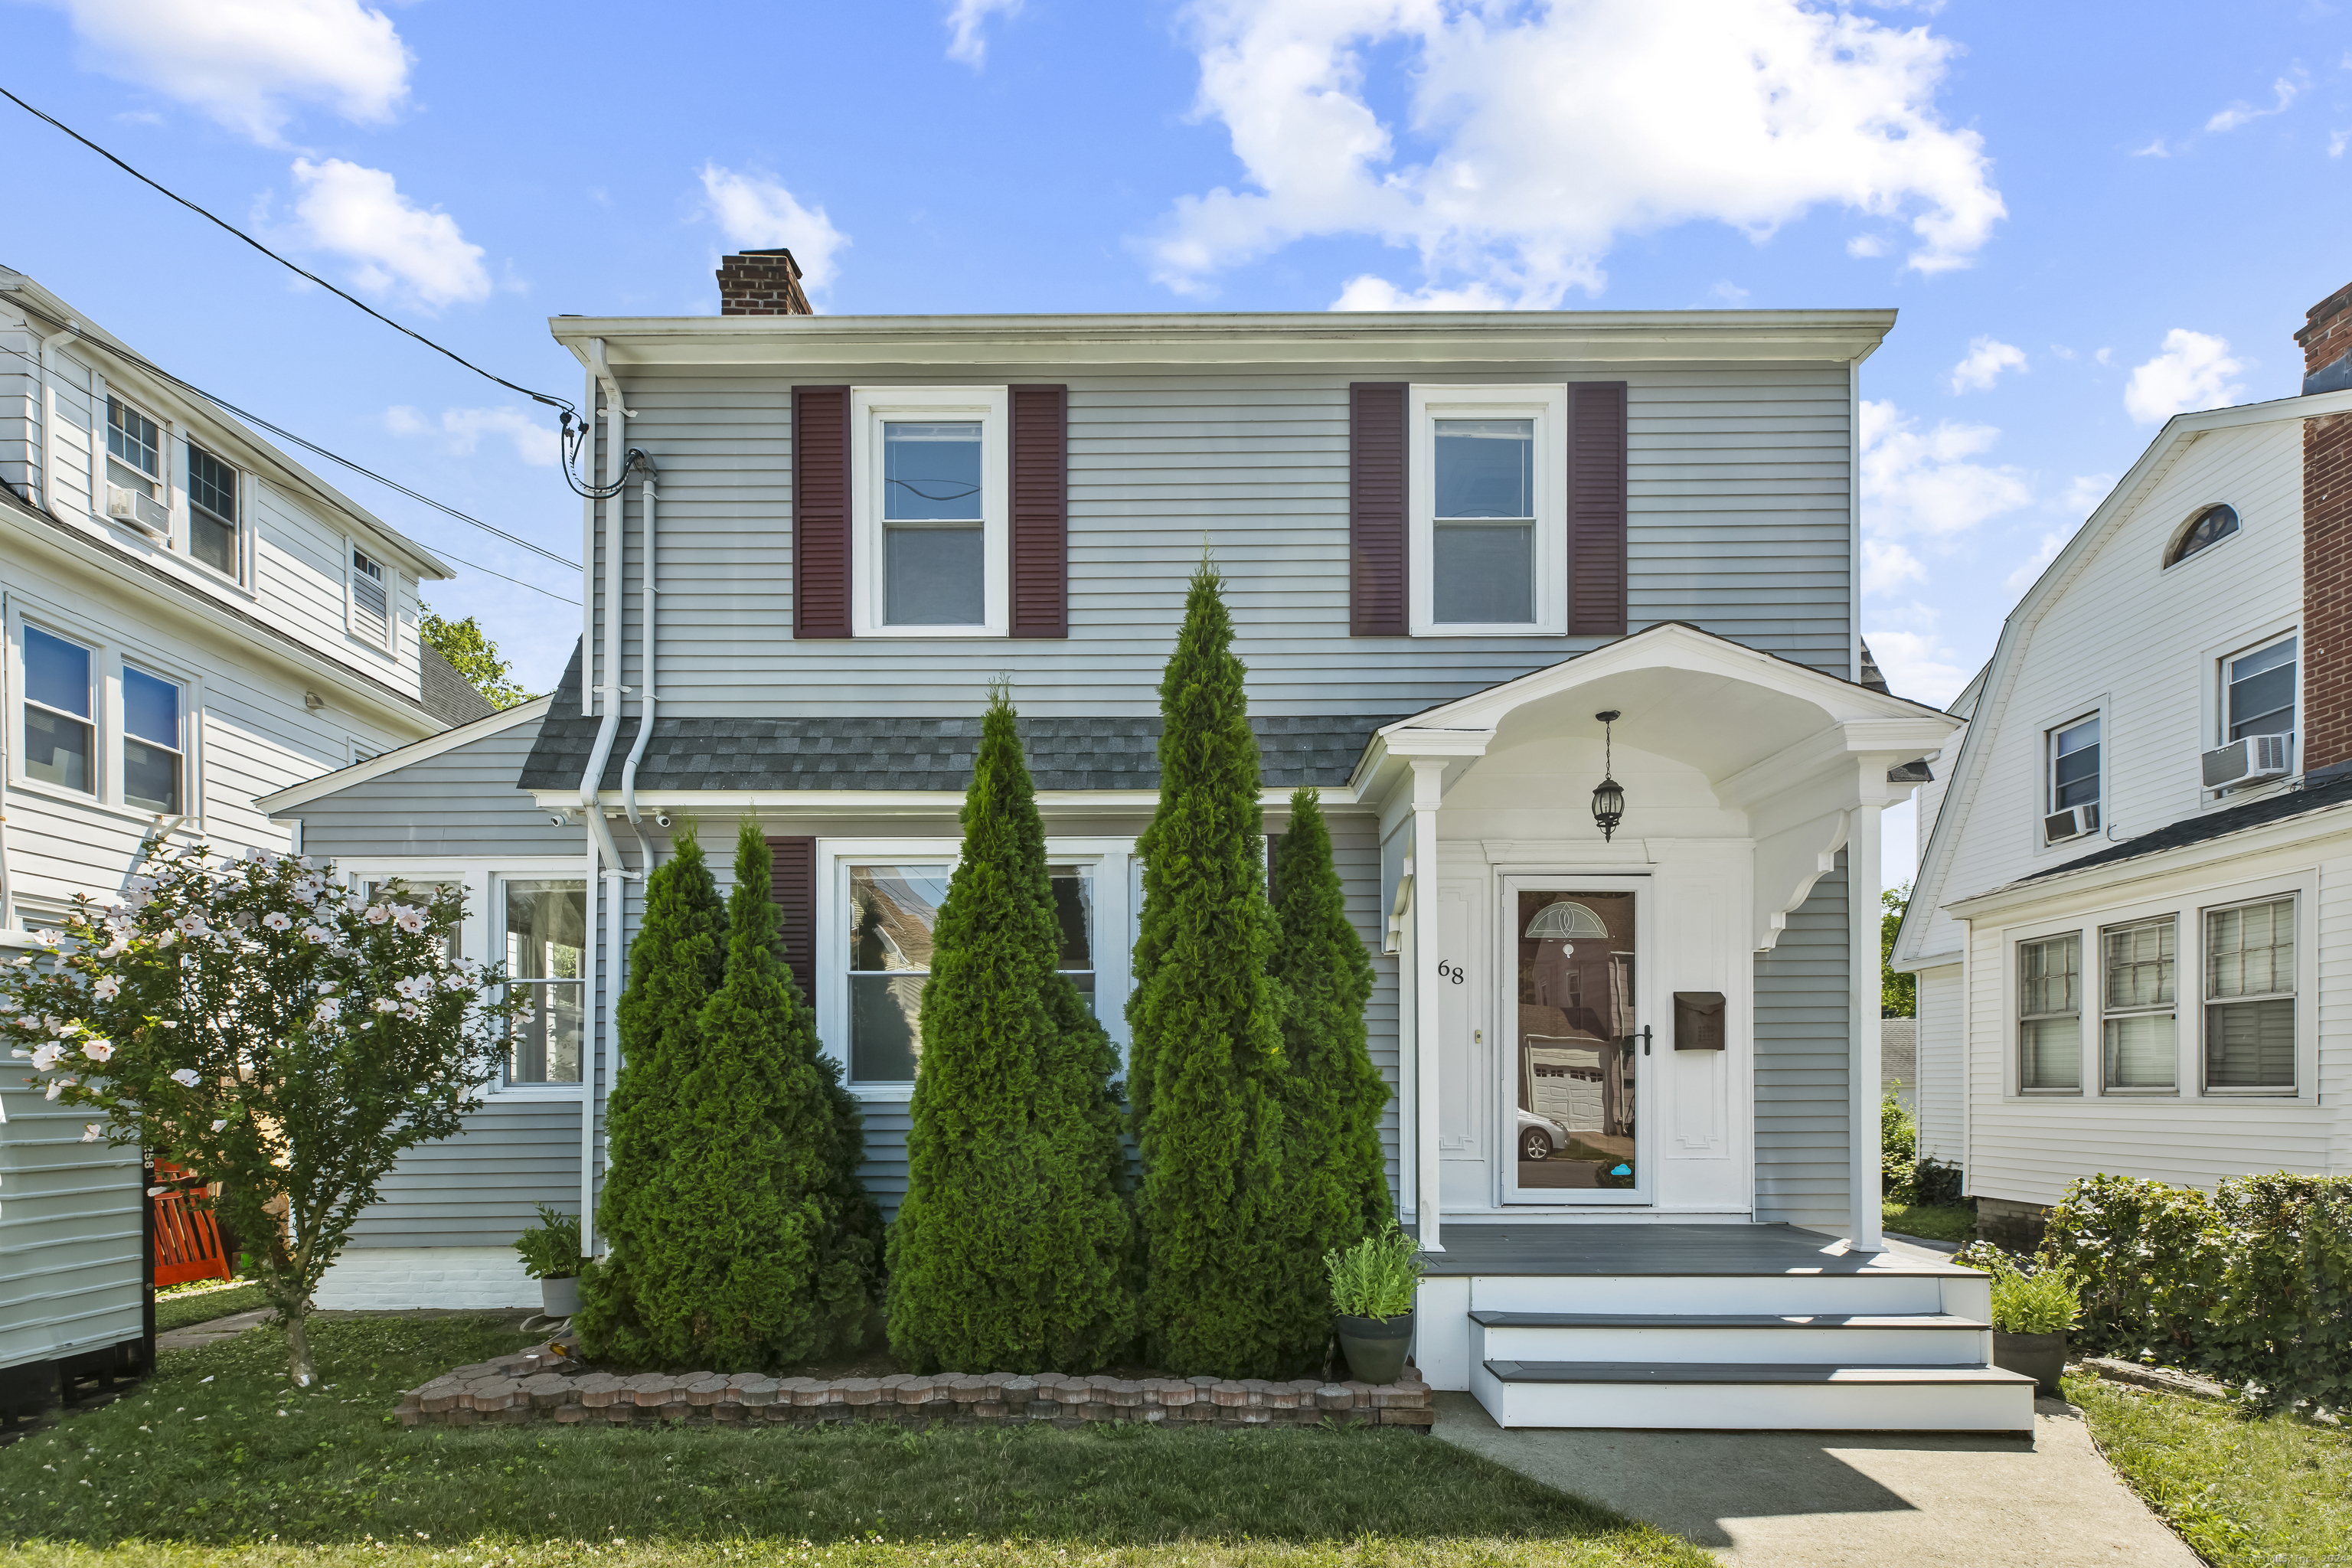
x=1539 y=1136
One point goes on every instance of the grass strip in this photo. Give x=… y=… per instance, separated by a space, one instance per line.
x=2240 y=1489
x=217 y=1457
x=1956 y=1223
x=181 y=1310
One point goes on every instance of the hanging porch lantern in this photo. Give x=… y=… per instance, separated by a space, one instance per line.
x=1608 y=796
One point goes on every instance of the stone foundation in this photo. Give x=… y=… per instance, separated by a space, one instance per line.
x=544 y=1385
x=2014 y=1227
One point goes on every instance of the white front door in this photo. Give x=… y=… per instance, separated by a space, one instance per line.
x=1573 y=1026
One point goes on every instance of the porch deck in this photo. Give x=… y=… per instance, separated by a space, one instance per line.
x=1493 y=1248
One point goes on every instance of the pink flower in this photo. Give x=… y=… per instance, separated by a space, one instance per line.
x=376 y=914
x=411 y=921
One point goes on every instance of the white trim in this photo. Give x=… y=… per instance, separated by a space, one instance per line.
x=432 y=746
x=1545 y=404
x=109 y=652
x=869 y=408
x=923 y=803
x=2046 y=792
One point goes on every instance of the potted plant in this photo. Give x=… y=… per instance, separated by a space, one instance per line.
x=550 y=1255
x=2031 y=1311
x=1372 y=1287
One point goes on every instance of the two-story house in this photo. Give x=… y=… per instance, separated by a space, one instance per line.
x=192 y=619
x=2127 y=920
x=1478 y=564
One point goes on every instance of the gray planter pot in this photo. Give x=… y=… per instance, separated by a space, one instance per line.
x=2041 y=1357
x=559 y=1298
x=1375 y=1347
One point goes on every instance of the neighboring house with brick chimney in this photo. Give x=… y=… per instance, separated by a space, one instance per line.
x=2134 y=906
x=191 y=619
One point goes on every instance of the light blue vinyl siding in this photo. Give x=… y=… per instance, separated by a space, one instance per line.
x=463 y=802
x=1802 y=1024
x=73 y=1250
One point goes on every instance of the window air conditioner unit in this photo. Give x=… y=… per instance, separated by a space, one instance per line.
x=2075 y=822
x=2249 y=761
x=140 y=511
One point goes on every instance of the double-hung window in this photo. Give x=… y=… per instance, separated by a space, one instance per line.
x=2074 y=782
x=931 y=499
x=546 y=938
x=893 y=910
x=2258 y=692
x=1489 y=518
x=212 y=511
x=134 y=467
x=371 y=599
x=2050 y=1015
x=2250 y=985
x=154 y=759
x=1074 y=910
x=2139 y=1029
x=60 y=737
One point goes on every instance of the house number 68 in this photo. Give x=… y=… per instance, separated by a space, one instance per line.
x=1449 y=972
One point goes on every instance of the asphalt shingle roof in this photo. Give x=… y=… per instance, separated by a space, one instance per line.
x=2308 y=796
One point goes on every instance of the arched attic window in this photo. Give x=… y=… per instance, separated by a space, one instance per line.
x=2212 y=525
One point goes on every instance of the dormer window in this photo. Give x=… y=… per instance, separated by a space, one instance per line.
x=2213 y=524
x=212 y=511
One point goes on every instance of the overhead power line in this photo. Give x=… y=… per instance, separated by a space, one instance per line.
x=570 y=410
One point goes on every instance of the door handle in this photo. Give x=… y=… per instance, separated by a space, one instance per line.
x=1645 y=1039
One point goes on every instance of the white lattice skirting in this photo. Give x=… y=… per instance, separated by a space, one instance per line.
x=378 y=1279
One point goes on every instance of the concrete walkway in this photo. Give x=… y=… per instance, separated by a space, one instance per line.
x=1827 y=1500
x=204 y=1334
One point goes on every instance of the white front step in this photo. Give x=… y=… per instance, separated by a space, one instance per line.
x=1821 y=1339
x=1882 y=1291
x=1755 y=1397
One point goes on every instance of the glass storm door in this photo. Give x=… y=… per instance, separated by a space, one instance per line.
x=1575 y=1060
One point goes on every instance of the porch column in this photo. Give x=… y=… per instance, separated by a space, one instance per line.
x=1428 y=787
x=1861 y=878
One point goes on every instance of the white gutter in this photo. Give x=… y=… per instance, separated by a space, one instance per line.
x=649 y=494
x=45 y=417
x=609 y=689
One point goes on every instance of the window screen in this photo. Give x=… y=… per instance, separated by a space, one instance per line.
x=2136 y=1042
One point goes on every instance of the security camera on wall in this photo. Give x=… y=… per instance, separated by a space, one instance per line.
x=661 y=819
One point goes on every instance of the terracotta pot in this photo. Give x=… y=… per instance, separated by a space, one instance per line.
x=559 y=1298
x=2041 y=1357
x=1375 y=1347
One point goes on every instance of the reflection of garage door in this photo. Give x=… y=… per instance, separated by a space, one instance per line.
x=1564 y=1078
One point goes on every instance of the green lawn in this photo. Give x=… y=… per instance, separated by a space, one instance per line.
x=2241 y=1491
x=217 y=1452
x=1955 y=1223
x=187 y=1304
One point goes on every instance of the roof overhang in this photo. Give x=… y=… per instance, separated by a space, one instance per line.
x=295 y=796
x=1319 y=338
x=925 y=802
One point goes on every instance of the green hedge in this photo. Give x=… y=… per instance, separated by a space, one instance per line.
x=2251 y=1282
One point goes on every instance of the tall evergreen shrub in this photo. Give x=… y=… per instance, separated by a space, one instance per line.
x=1011 y=1250
x=1205 y=1075
x=677 y=961
x=1338 y=1173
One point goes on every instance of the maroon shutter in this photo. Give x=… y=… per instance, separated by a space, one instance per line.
x=792 y=883
x=1041 y=498
x=1596 y=508
x=820 y=512
x=1377 y=606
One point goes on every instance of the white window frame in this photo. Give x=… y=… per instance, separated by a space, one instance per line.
x=1115 y=916
x=1546 y=404
x=2214 y=685
x=2086 y=1007
x=351 y=627
x=244 y=497
x=2181 y=947
x=108 y=656
x=123 y=737
x=2048 y=792
x=162 y=478
x=2304 y=997
x=870 y=407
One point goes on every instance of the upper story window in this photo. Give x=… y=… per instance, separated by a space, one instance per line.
x=2258 y=692
x=154 y=761
x=2049 y=1013
x=212 y=511
x=2073 y=781
x=1488 y=521
x=134 y=449
x=2213 y=524
x=371 y=599
x=60 y=739
x=931 y=503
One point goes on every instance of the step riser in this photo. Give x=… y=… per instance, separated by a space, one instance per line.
x=1840 y=1347
x=1709 y=1293
x=1753 y=1408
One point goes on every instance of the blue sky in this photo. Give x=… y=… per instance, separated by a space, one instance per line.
x=2089 y=216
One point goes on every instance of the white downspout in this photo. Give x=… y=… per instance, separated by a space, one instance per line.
x=588 y=1037
x=588 y=555
x=609 y=689
x=1428 y=787
x=45 y=416
x=649 y=495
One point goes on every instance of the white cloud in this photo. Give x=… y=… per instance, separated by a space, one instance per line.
x=2034 y=564
x=359 y=213
x=462 y=430
x=1922 y=482
x=1984 y=361
x=1887 y=566
x=1553 y=131
x=2192 y=371
x=2156 y=149
x=2104 y=355
x=246 y=62
x=1918 y=664
x=2336 y=141
x=1727 y=295
x=967 y=44
x=755 y=212
x=2241 y=113
x=2085 y=492
x=1862 y=247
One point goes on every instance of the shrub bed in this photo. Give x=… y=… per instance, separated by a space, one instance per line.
x=2251 y=1282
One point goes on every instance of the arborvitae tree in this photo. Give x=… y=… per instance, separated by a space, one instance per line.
x=1338 y=1173
x=1205 y=1077
x=677 y=961
x=1011 y=1252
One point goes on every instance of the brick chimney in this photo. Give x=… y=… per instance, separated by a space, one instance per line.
x=762 y=283
x=2326 y=342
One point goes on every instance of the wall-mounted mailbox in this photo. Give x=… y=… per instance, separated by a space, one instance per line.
x=1698 y=1020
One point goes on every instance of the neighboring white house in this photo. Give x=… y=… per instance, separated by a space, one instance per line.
x=191 y=620
x=2130 y=920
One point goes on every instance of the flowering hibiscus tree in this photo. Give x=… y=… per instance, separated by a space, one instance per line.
x=271 y=1030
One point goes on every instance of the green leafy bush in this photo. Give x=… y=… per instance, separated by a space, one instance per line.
x=2251 y=1283
x=1936 y=1185
x=551 y=1249
x=2027 y=1298
x=1377 y=1277
x=1898 y=1150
